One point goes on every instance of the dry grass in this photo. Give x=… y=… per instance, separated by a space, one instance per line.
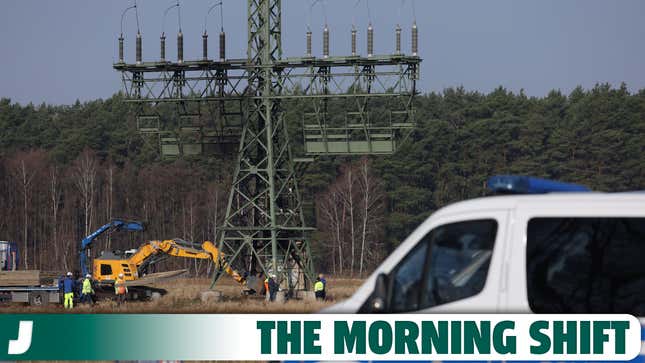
x=183 y=297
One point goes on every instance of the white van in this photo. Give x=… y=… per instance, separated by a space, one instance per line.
x=562 y=250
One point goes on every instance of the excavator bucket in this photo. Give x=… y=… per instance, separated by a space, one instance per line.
x=255 y=283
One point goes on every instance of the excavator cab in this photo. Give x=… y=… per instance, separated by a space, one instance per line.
x=109 y=265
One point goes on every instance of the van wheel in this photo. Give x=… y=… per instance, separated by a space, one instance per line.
x=38 y=299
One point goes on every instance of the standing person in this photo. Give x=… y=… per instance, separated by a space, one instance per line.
x=319 y=289
x=324 y=281
x=68 y=291
x=120 y=289
x=87 y=291
x=273 y=288
x=266 y=285
x=61 y=280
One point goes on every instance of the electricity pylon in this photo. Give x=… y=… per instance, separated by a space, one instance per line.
x=218 y=102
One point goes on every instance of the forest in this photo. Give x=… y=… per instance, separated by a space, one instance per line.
x=67 y=169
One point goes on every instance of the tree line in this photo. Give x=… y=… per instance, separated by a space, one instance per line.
x=65 y=170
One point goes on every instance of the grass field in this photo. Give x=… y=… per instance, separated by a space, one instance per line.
x=184 y=297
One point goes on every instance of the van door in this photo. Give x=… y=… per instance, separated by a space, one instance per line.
x=578 y=258
x=454 y=267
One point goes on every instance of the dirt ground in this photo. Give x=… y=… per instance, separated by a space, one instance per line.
x=184 y=297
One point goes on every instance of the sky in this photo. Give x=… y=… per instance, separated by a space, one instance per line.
x=61 y=51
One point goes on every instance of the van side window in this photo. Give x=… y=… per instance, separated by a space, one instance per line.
x=586 y=265
x=450 y=263
x=406 y=285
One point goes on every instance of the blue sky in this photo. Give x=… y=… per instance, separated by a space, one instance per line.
x=61 y=51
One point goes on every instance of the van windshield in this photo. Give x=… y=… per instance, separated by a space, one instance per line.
x=449 y=264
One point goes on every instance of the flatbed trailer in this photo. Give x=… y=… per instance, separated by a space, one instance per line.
x=24 y=286
x=33 y=295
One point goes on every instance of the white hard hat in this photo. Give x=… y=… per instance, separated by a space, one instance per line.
x=120 y=275
x=88 y=276
x=69 y=274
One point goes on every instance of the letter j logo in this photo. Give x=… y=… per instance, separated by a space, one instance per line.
x=22 y=344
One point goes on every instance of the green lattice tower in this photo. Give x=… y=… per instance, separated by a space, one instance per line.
x=264 y=225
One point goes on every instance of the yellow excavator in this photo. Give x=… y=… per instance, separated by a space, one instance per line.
x=134 y=264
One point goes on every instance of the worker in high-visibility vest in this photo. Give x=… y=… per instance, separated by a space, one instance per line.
x=319 y=289
x=87 y=291
x=68 y=290
x=120 y=289
x=324 y=281
x=266 y=286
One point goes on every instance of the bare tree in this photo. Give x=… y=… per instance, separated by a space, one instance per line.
x=372 y=208
x=85 y=178
x=333 y=213
x=109 y=198
x=349 y=215
x=54 y=198
x=348 y=196
x=25 y=167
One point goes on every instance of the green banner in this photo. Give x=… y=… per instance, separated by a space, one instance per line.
x=111 y=337
x=319 y=337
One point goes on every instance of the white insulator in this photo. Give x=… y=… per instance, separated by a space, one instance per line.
x=398 y=40
x=180 y=47
x=162 y=47
x=415 y=40
x=326 y=42
x=139 y=50
x=354 y=32
x=121 y=49
x=222 y=46
x=370 y=41
x=309 y=54
x=205 y=46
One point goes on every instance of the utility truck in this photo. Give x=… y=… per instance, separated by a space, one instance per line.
x=536 y=246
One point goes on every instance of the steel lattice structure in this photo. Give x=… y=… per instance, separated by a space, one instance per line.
x=226 y=101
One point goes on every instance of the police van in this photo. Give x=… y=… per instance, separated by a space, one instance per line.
x=536 y=246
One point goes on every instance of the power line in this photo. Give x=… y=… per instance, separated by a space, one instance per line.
x=163 y=22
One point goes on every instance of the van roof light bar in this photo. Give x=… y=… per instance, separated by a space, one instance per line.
x=517 y=184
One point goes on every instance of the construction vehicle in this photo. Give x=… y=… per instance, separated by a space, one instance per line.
x=112 y=226
x=135 y=265
x=22 y=285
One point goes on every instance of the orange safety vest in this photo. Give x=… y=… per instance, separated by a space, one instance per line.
x=120 y=286
x=266 y=286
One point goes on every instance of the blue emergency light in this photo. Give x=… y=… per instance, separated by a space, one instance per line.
x=516 y=184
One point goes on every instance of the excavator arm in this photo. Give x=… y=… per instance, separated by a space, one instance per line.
x=220 y=262
x=179 y=248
